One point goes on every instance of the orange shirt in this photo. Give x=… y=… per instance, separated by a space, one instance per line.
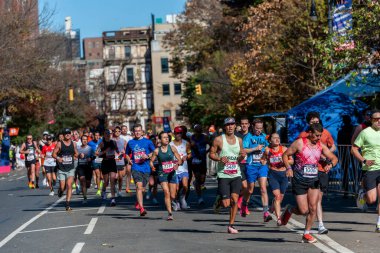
x=326 y=139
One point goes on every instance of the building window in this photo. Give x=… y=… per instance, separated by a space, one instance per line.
x=178 y=114
x=127 y=51
x=115 y=101
x=142 y=73
x=164 y=65
x=147 y=73
x=166 y=89
x=177 y=89
x=130 y=77
x=111 y=52
x=131 y=101
x=147 y=100
x=168 y=113
x=113 y=74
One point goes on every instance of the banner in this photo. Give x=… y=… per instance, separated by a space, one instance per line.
x=5 y=166
x=342 y=24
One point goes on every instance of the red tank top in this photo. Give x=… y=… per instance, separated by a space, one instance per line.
x=306 y=162
x=275 y=159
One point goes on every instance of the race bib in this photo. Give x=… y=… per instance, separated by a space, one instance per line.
x=275 y=159
x=231 y=168
x=256 y=157
x=67 y=159
x=196 y=161
x=98 y=160
x=30 y=157
x=110 y=153
x=49 y=154
x=167 y=167
x=82 y=161
x=138 y=156
x=310 y=170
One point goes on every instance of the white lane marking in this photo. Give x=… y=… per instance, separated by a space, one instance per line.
x=101 y=209
x=330 y=242
x=78 y=247
x=26 y=224
x=319 y=245
x=46 y=229
x=322 y=238
x=20 y=177
x=91 y=226
x=74 y=210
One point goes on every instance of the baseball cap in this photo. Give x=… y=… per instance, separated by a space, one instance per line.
x=197 y=126
x=178 y=129
x=49 y=138
x=45 y=133
x=66 y=131
x=229 y=120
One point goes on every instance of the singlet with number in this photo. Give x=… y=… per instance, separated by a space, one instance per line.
x=112 y=148
x=86 y=150
x=67 y=155
x=121 y=143
x=166 y=161
x=31 y=156
x=182 y=152
x=232 y=168
x=199 y=150
x=48 y=151
x=275 y=159
x=306 y=161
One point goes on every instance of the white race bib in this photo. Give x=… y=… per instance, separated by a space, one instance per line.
x=168 y=167
x=310 y=170
x=196 y=161
x=138 y=156
x=67 y=159
x=231 y=168
x=30 y=157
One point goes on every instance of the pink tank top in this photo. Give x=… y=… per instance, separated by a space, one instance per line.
x=306 y=162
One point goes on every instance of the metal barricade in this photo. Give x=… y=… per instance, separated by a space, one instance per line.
x=345 y=176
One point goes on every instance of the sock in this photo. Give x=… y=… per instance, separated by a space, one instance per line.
x=306 y=232
x=320 y=224
x=265 y=209
x=378 y=220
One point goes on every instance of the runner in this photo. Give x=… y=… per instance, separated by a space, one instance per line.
x=244 y=123
x=97 y=162
x=64 y=153
x=231 y=152
x=199 y=165
x=278 y=181
x=41 y=144
x=126 y=135
x=49 y=163
x=326 y=139
x=182 y=172
x=107 y=150
x=84 y=169
x=30 y=150
x=305 y=182
x=153 y=179
x=368 y=141
x=255 y=144
x=141 y=150
x=120 y=162
x=168 y=161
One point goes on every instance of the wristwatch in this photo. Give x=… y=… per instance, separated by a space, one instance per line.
x=364 y=162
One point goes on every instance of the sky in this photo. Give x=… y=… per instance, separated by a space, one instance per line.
x=93 y=17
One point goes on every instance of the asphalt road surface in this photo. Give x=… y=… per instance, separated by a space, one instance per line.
x=31 y=221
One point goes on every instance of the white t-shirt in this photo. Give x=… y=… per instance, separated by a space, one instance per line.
x=182 y=152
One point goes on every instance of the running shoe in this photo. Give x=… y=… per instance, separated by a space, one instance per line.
x=360 y=201
x=118 y=194
x=203 y=187
x=137 y=206
x=98 y=193
x=308 y=238
x=84 y=200
x=77 y=190
x=267 y=217
x=240 y=201
x=37 y=186
x=104 y=195
x=286 y=214
x=143 y=212
x=30 y=185
x=323 y=231
x=217 y=205
x=148 y=194
x=183 y=202
x=74 y=186
x=377 y=230
x=51 y=193
x=170 y=217
x=174 y=206
x=155 y=201
x=44 y=182
x=68 y=208
x=101 y=184
x=113 y=202
x=243 y=210
x=60 y=192
x=279 y=223
x=128 y=191
x=232 y=230
x=33 y=186
x=132 y=181
x=201 y=201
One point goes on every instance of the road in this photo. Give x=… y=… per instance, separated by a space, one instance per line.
x=31 y=221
